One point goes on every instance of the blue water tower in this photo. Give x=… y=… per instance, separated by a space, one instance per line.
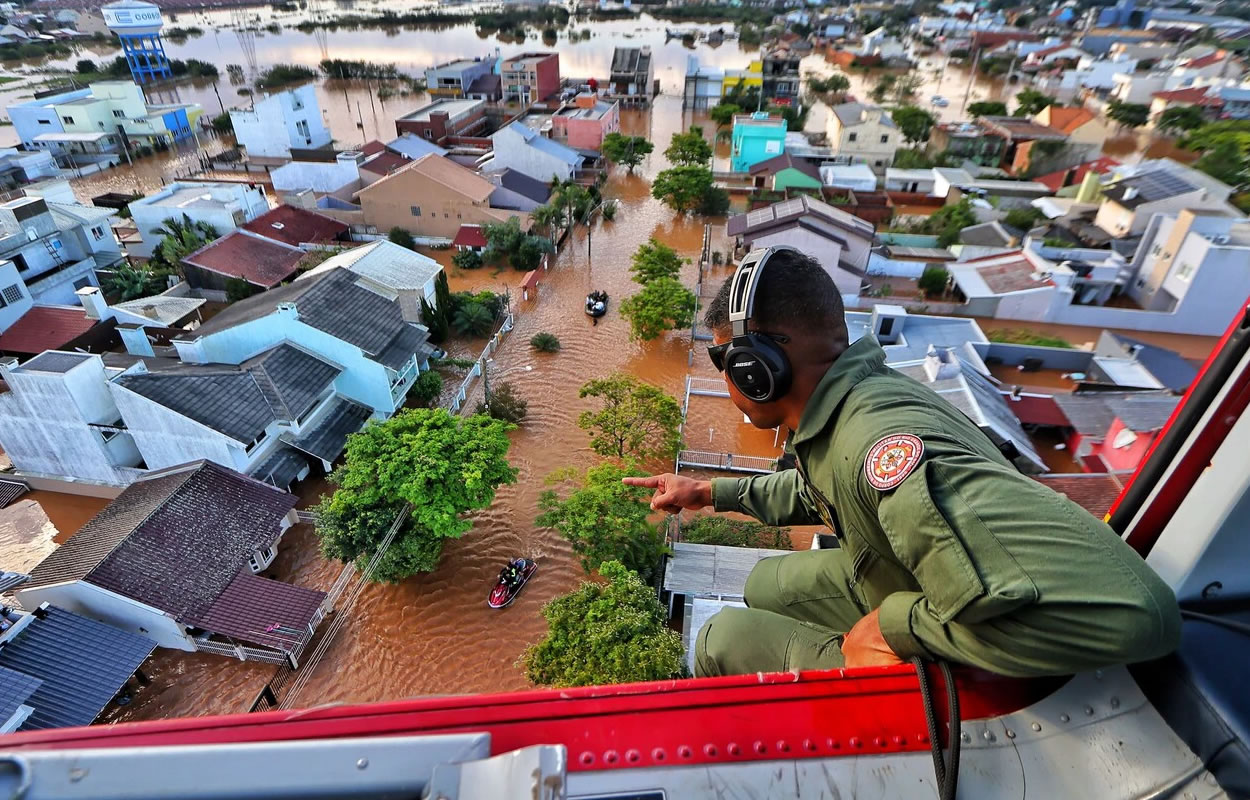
x=138 y=25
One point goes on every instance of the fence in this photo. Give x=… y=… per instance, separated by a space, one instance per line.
x=241 y=652
x=462 y=394
x=729 y=462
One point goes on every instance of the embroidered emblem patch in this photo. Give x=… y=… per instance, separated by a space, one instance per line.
x=892 y=459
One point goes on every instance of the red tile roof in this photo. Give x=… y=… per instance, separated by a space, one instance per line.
x=1206 y=61
x=469 y=236
x=1032 y=409
x=243 y=254
x=1068 y=118
x=385 y=163
x=263 y=611
x=295 y=226
x=1094 y=492
x=1100 y=166
x=45 y=328
x=530 y=281
x=1193 y=95
x=369 y=148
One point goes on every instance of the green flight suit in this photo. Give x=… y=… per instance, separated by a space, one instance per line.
x=968 y=560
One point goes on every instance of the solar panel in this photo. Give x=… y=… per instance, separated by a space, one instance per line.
x=759 y=217
x=1161 y=183
x=790 y=208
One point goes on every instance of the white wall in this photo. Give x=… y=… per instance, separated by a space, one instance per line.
x=826 y=251
x=237 y=204
x=166 y=438
x=12 y=310
x=512 y=151
x=271 y=128
x=121 y=612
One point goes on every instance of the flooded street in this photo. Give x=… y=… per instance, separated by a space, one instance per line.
x=433 y=634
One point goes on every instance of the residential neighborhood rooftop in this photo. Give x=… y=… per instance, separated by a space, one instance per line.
x=453 y=108
x=295 y=226
x=1091 y=414
x=45 y=328
x=256 y=259
x=385 y=262
x=1147 y=187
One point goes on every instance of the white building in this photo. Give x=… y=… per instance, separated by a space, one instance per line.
x=1157 y=187
x=864 y=134
x=392 y=271
x=527 y=151
x=279 y=122
x=859 y=177
x=225 y=206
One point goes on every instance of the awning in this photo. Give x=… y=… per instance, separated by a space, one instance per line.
x=265 y=612
x=281 y=468
x=326 y=441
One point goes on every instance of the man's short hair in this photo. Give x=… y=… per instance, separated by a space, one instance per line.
x=794 y=292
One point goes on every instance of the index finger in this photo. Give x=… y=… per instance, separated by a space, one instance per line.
x=650 y=482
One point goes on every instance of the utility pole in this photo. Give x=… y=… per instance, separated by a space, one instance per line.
x=219 y=103
x=972 y=77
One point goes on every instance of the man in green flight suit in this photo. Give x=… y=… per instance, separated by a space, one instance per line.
x=945 y=550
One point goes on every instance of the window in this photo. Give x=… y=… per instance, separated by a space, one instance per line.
x=67 y=119
x=460 y=216
x=416 y=210
x=44 y=121
x=1157 y=249
x=885 y=140
x=97 y=232
x=117 y=112
x=427 y=134
x=1185 y=272
x=13 y=294
x=82 y=283
x=302 y=128
x=850 y=137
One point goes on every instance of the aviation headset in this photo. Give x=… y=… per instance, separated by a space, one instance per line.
x=755 y=362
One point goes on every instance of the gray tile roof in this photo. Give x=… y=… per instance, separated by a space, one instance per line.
x=524 y=185
x=851 y=114
x=989 y=234
x=15 y=689
x=1143 y=414
x=331 y=302
x=281 y=468
x=706 y=570
x=54 y=361
x=326 y=441
x=264 y=612
x=1092 y=413
x=240 y=401
x=82 y=663
x=173 y=541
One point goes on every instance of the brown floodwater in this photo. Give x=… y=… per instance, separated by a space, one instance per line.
x=33 y=526
x=433 y=634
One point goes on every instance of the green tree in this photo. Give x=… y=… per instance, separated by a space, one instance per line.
x=1226 y=161
x=1180 y=118
x=472 y=319
x=238 y=289
x=604 y=519
x=437 y=465
x=545 y=342
x=86 y=66
x=628 y=151
x=437 y=317
x=721 y=530
x=180 y=238
x=654 y=259
x=723 y=113
x=662 y=305
x=547 y=218
x=948 y=221
x=502 y=239
x=1023 y=218
x=1128 y=115
x=715 y=203
x=427 y=388
x=933 y=281
x=682 y=189
x=914 y=122
x=467 y=259
x=905 y=87
x=1031 y=101
x=987 y=108
x=884 y=86
x=829 y=89
x=504 y=403
x=131 y=282
x=637 y=420
x=613 y=632
x=529 y=253
x=222 y=123
x=402 y=238
x=911 y=159
x=689 y=149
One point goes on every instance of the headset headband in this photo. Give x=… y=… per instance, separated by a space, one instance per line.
x=745 y=282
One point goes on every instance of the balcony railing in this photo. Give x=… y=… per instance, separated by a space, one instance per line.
x=38 y=282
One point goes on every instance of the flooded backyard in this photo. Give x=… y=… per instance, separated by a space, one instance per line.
x=433 y=634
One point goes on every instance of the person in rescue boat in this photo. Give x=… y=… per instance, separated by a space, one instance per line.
x=945 y=550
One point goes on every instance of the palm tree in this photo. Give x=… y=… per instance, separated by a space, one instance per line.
x=131 y=282
x=547 y=217
x=473 y=319
x=181 y=237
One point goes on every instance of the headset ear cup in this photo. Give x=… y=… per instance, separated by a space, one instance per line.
x=758 y=368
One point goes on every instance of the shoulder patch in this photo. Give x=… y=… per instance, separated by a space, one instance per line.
x=892 y=459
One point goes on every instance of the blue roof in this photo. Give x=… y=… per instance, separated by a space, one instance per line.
x=1233 y=93
x=82 y=664
x=553 y=148
x=15 y=688
x=414 y=146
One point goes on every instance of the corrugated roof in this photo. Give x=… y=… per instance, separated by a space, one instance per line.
x=82 y=664
x=1148 y=187
x=264 y=612
x=161 y=308
x=385 y=263
x=175 y=541
x=259 y=260
x=327 y=440
x=280 y=384
x=413 y=146
x=331 y=302
x=552 y=148
x=45 y=328
x=1092 y=413
x=712 y=570
x=295 y=226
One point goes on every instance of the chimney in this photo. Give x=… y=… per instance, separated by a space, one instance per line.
x=350 y=157
x=93 y=303
x=1130 y=193
x=941 y=365
x=887 y=323
x=585 y=100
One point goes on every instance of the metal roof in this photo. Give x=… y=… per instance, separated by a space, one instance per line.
x=15 y=689
x=706 y=570
x=1148 y=187
x=164 y=309
x=1092 y=413
x=82 y=664
x=54 y=361
x=327 y=440
x=172 y=541
x=385 y=263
